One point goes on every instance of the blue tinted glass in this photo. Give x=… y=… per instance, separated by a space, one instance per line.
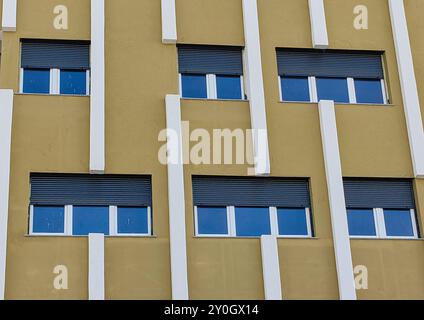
x=212 y=221
x=87 y=220
x=194 y=86
x=73 y=82
x=368 y=91
x=36 y=81
x=361 y=222
x=295 y=89
x=292 y=222
x=133 y=220
x=333 y=89
x=228 y=87
x=48 y=220
x=252 y=222
x=398 y=223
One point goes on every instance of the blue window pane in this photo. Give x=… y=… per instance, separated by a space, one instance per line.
x=368 y=91
x=361 y=222
x=295 y=89
x=292 y=222
x=132 y=220
x=194 y=86
x=333 y=89
x=87 y=220
x=212 y=221
x=36 y=81
x=73 y=82
x=252 y=222
x=48 y=220
x=398 y=223
x=228 y=87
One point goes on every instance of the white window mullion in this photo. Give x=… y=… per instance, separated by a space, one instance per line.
x=313 y=92
x=87 y=83
x=242 y=88
x=68 y=220
x=381 y=233
x=113 y=220
x=274 y=221
x=232 y=221
x=31 y=220
x=149 y=221
x=180 y=84
x=308 y=221
x=21 y=81
x=384 y=92
x=54 y=81
x=414 y=223
x=280 y=88
x=211 y=86
x=196 y=221
x=351 y=88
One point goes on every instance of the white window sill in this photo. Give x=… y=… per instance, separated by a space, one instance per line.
x=68 y=236
x=208 y=99
x=52 y=95
x=253 y=238
x=342 y=103
x=388 y=238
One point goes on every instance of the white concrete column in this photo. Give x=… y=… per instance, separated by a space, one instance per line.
x=318 y=24
x=96 y=266
x=255 y=87
x=271 y=268
x=169 y=22
x=333 y=170
x=6 y=112
x=97 y=98
x=9 y=15
x=176 y=198
x=411 y=102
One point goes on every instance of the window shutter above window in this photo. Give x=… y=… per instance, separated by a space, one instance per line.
x=330 y=63
x=379 y=193
x=201 y=59
x=251 y=192
x=88 y=190
x=44 y=54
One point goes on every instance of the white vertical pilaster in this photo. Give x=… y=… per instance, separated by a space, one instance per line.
x=96 y=266
x=255 y=87
x=271 y=268
x=169 y=22
x=97 y=98
x=336 y=197
x=9 y=15
x=6 y=112
x=177 y=225
x=411 y=102
x=318 y=24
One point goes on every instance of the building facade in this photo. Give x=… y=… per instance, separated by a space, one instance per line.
x=322 y=199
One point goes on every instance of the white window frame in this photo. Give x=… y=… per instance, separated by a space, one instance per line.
x=211 y=88
x=68 y=220
x=380 y=227
x=54 y=88
x=231 y=225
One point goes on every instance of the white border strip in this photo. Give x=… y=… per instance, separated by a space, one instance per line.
x=169 y=22
x=97 y=107
x=318 y=24
x=271 y=268
x=6 y=113
x=336 y=197
x=9 y=15
x=408 y=83
x=96 y=266
x=176 y=198
x=255 y=87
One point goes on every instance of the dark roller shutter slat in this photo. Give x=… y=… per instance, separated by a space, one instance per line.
x=53 y=189
x=256 y=192
x=386 y=194
x=330 y=64
x=210 y=60
x=73 y=55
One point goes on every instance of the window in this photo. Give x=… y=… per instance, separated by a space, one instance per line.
x=111 y=205
x=46 y=67
x=379 y=219
x=251 y=207
x=341 y=76
x=211 y=72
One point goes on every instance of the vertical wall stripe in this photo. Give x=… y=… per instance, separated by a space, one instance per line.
x=255 y=87
x=271 y=268
x=9 y=15
x=318 y=24
x=336 y=196
x=408 y=84
x=96 y=266
x=6 y=111
x=169 y=22
x=176 y=198
x=97 y=107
